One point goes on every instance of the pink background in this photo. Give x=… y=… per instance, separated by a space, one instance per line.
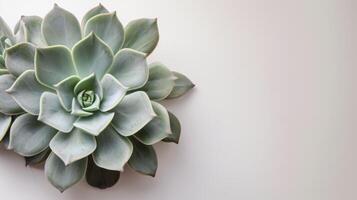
x=273 y=116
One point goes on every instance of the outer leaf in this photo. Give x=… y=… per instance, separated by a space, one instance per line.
x=175 y=129
x=53 y=64
x=20 y=58
x=7 y=103
x=130 y=68
x=95 y=123
x=89 y=83
x=65 y=91
x=92 y=55
x=62 y=176
x=6 y=31
x=77 y=109
x=37 y=159
x=73 y=146
x=142 y=35
x=160 y=83
x=133 y=113
x=143 y=159
x=93 y=12
x=28 y=29
x=52 y=113
x=99 y=177
x=113 y=93
x=28 y=136
x=182 y=85
x=61 y=27
x=113 y=150
x=108 y=28
x=156 y=130
x=5 y=122
x=27 y=92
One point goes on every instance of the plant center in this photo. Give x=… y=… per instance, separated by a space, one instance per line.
x=86 y=98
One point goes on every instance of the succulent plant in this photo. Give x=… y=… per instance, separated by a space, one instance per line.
x=86 y=101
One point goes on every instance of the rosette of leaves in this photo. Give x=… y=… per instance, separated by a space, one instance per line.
x=91 y=99
x=9 y=109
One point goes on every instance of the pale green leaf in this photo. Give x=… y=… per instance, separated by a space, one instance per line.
x=113 y=93
x=143 y=159
x=27 y=92
x=73 y=146
x=28 y=136
x=108 y=28
x=113 y=150
x=92 y=55
x=20 y=58
x=53 y=64
x=95 y=123
x=130 y=68
x=77 y=109
x=53 y=114
x=132 y=113
x=160 y=83
x=61 y=27
x=100 y=9
x=157 y=129
x=6 y=31
x=28 y=29
x=65 y=91
x=62 y=176
x=5 y=122
x=182 y=85
x=142 y=35
x=7 y=104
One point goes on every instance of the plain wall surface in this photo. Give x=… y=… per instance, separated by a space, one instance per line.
x=273 y=116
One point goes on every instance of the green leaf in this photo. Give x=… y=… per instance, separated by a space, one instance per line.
x=143 y=159
x=3 y=71
x=52 y=113
x=95 y=106
x=156 y=130
x=99 y=177
x=27 y=92
x=6 y=31
x=132 y=113
x=77 y=109
x=38 y=158
x=108 y=28
x=73 y=146
x=61 y=27
x=113 y=150
x=65 y=91
x=28 y=136
x=95 y=123
x=182 y=85
x=92 y=55
x=5 y=122
x=62 y=176
x=160 y=83
x=93 y=12
x=20 y=58
x=142 y=35
x=89 y=83
x=28 y=29
x=130 y=68
x=2 y=62
x=53 y=64
x=7 y=104
x=113 y=93
x=175 y=129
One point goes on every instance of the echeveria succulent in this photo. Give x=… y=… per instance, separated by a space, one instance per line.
x=85 y=98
